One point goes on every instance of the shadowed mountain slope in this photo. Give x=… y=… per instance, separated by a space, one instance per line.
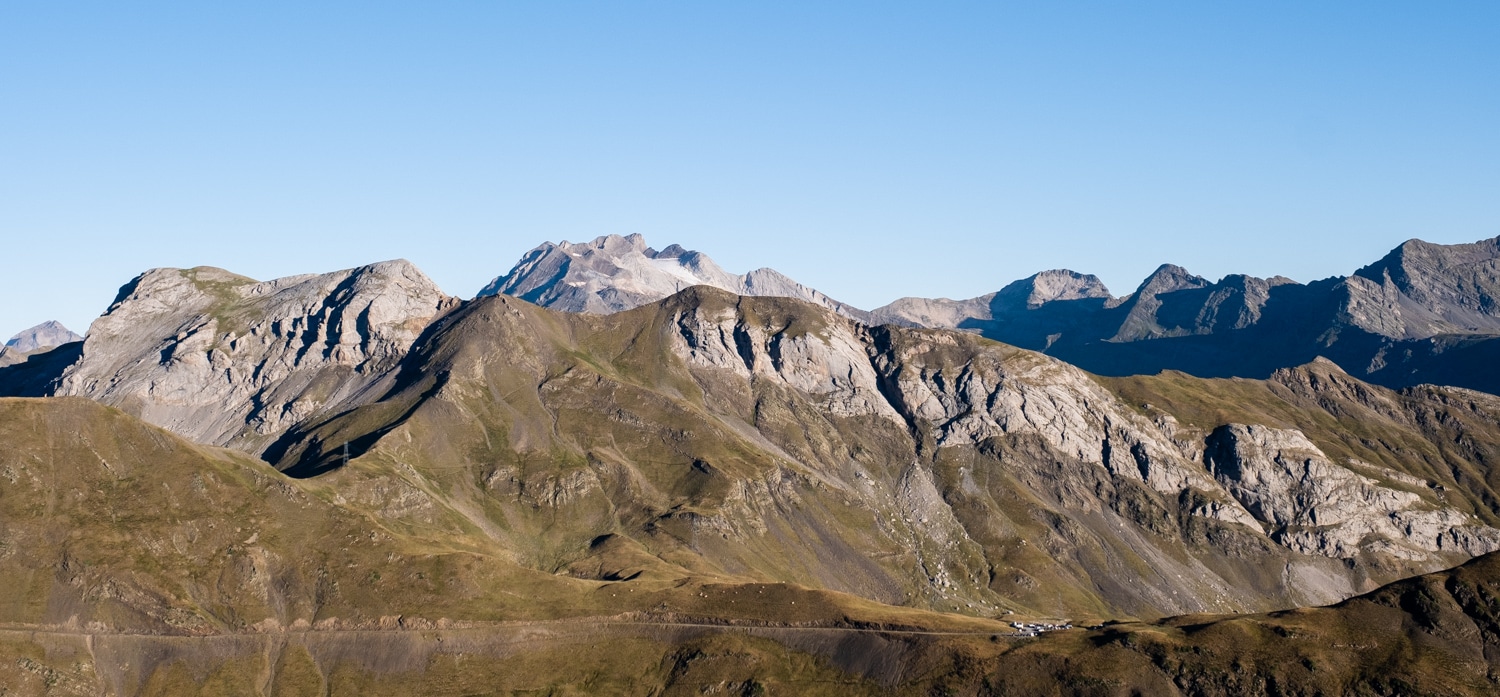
x=1432 y=635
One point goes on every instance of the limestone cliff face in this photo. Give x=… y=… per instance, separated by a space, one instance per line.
x=952 y=392
x=227 y=360
x=1314 y=506
x=827 y=362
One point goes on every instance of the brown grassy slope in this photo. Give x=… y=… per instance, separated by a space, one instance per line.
x=112 y=523
x=1437 y=634
x=1433 y=635
x=137 y=563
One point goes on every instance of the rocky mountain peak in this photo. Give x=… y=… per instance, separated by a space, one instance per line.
x=614 y=273
x=671 y=252
x=1168 y=278
x=1054 y=285
x=228 y=360
x=615 y=244
x=1433 y=288
x=1143 y=318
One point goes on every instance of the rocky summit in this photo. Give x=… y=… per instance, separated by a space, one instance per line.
x=614 y=273
x=352 y=483
x=227 y=360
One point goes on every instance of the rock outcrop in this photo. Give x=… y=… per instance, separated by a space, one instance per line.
x=228 y=360
x=614 y=273
x=1429 y=289
x=1314 y=506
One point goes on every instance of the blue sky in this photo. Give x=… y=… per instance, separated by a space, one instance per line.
x=871 y=150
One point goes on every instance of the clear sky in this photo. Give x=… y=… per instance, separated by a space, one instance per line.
x=871 y=150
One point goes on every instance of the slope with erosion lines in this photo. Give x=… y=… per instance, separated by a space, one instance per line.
x=774 y=440
x=126 y=578
x=136 y=562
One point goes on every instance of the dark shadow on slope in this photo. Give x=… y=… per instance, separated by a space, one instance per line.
x=37 y=375
x=303 y=452
x=1220 y=338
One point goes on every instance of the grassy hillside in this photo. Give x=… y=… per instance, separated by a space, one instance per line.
x=144 y=564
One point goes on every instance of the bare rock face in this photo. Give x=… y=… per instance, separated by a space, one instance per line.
x=614 y=273
x=993 y=395
x=227 y=360
x=827 y=361
x=1427 y=289
x=43 y=336
x=1062 y=284
x=1273 y=481
x=1314 y=506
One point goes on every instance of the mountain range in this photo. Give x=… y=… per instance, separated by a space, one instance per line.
x=1425 y=313
x=354 y=483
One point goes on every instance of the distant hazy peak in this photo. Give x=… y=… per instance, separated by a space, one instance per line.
x=671 y=252
x=1054 y=285
x=45 y=335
